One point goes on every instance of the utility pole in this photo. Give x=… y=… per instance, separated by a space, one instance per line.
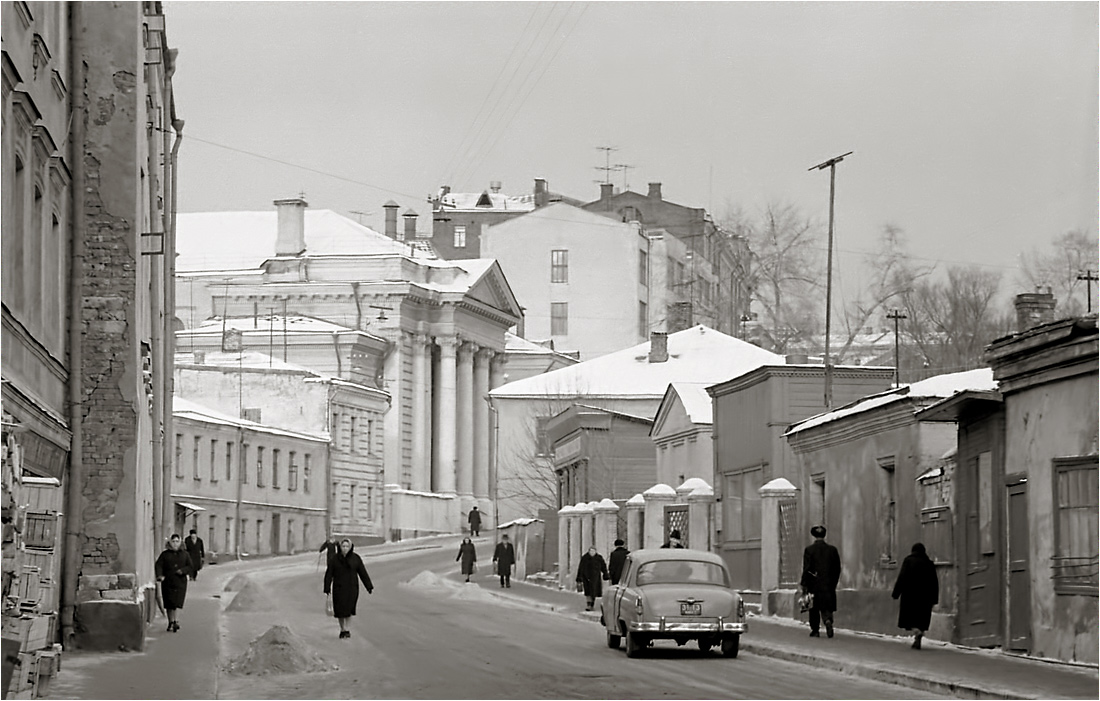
x=897 y=315
x=1089 y=276
x=831 y=165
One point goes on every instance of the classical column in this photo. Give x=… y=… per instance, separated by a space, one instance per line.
x=421 y=442
x=444 y=475
x=464 y=426
x=481 y=423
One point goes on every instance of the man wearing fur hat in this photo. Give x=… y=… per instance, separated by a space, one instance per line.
x=820 y=575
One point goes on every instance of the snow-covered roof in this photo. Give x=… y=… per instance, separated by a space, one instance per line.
x=938 y=387
x=249 y=359
x=293 y=324
x=467 y=201
x=696 y=401
x=244 y=240
x=186 y=409
x=698 y=354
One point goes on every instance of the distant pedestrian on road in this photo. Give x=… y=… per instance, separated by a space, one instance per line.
x=342 y=581
x=331 y=548
x=590 y=575
x=194 y=545
x=919 y=590
x=505 y=558
x=468 y=554
x=617 y=560
x=475 y=522
x=673 y=540
x=172 y=568
x=820 y=575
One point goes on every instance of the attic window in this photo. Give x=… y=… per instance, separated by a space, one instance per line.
x=484 y=200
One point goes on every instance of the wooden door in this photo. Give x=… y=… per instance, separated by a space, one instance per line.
x=1019 y=582
x=979 y=546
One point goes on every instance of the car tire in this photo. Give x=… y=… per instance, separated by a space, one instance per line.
x=705 y=645
x=634 y=644
x=613 y=640
x=730 y=645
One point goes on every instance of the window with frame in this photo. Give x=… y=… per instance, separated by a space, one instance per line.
x=559 y=265
x=275 y=468
x=242 y=535
x=643 y=319
x=351 y=440
x=335 y=429
x=213 y=460
x=889 y=536
x=559 y=318
x=195 y=459
x=259 y=466
x=460 y=236
x=741 y=520
x=228 y=461
x=291 y=472
x=244 y=463
x=179 y=456
x=643 y=267
x=229 y=534
x=1075 y=562
x=211 y=532
x=259 y=535
x=351 y=502
x=305 y=473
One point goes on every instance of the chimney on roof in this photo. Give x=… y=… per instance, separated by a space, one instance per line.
x=607 y=191
x=1034 y=309
x=410 y=224
x=391 y=218
x=658 y=346
x=542 y=193
x=290 y=239
x=494 y=186
x=654 y=191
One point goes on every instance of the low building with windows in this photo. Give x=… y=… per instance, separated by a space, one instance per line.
x=248 y=488
x=682 y=434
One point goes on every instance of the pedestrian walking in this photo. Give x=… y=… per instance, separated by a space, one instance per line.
x=172 y=569
x=919 y=590
x=590 y=575
x=820 y=575
x=475 y=522
x=331 y=548
x=468 y=554
x=505 y=558
x=342 y=581
x=194 y=545
x=673 y=540
x=617 y=560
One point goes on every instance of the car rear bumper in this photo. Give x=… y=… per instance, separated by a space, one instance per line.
x=691 y=627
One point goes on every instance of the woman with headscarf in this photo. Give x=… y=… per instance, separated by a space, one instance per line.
x=468 y=554
x=919 y=590
x=172 y=568
x=342 y=580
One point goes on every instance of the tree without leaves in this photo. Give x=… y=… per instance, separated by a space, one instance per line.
x=1066 y=257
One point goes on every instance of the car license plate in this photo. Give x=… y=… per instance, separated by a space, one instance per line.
x=691 y=609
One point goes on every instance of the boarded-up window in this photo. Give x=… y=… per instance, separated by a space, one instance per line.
x=1074 y=566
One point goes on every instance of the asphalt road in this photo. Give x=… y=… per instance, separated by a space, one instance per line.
x=447 y=641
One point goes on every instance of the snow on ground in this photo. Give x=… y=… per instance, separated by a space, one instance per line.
x=458 y=589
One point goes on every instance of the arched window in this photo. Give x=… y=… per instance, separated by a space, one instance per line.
x=630 y=213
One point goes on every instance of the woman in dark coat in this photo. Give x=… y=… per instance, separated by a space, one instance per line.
x=919 y=590
x=590 y=575
x=342 y=580
x=468 y=554
x=172 y=568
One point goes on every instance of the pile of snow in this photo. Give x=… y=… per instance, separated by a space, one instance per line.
x=430 y=580
x=251 y=598
x=237 y=583
x=278 y=651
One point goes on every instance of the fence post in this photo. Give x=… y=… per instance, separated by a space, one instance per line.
x=564 y=521
x=770 y=495
x=607 y=514
x=700 y=523
x=656 y=497
x=635 y=512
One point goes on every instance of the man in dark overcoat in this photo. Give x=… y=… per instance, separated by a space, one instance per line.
x=197 y=551
x=919 y=590
x=590 y=575
x=617 y=560
x=475 y=522
x=505 y=558
x=820 y=575
x=171 y=569
x=342 y=580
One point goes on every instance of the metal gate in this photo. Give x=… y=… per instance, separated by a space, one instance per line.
x=790 y=564
x=676 y=519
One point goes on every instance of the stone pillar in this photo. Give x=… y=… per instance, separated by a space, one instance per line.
x=565 y=577
x=635 y=519
x=464 y=426
x=656 y=498
x=481 y=423
x=421 y=408
x=393 y=464
x=770 y=496
x=607 y=523
x=700 y=522
x=576 y=541
x=588 y=530
x=444 y=476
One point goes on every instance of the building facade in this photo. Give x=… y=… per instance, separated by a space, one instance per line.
x=247 y=488
x=681 y=434
x=87 y=219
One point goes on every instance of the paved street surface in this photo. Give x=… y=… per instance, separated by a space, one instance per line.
x=425 y=634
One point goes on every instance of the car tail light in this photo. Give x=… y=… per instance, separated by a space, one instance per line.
x=638 y=606
x=741 y=609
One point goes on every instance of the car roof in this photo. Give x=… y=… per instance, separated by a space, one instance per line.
x=661 y=554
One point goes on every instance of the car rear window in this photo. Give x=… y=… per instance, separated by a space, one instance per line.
x=681 y=572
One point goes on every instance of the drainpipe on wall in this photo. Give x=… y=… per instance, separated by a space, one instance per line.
x=336 y=348
x=358 y=306
x=74 y=502
x=167 y=514
x=157 y=333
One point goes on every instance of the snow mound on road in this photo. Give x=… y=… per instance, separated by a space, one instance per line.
x=453 y=589
x=278 y=651
x=431 y=580
x=251 y=598
x=237 y=583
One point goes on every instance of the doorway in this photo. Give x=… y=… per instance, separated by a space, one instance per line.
x=1019 y=584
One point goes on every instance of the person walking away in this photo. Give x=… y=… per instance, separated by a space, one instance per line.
x=505 y=558
x=194 y=545
x=468 y=554
x=331 y=548
x=475 y=522
x=919 y=590
x=342 y=581
x=673 y=540
x=617 y=560
x=820 y=575
x=172 y=569
x=590 y=575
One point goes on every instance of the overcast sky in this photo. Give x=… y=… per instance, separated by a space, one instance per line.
x=974 y=125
